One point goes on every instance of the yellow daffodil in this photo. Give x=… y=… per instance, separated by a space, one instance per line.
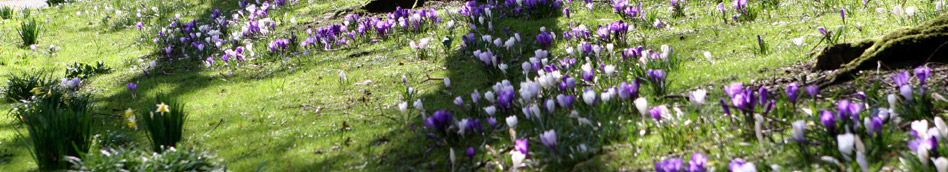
x=129 y=113
x=132 y=123
x=37 y=91
x=163 y=108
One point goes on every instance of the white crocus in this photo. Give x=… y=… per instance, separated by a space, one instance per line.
x=512 y=121
x=419 y=105
x=447 y=82
x=642 y=105
x=490 y=110
x=697 y=96
x=845 y=143
x=403 y=107
x=941 y=164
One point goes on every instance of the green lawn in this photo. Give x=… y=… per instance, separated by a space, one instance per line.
x=298 y=116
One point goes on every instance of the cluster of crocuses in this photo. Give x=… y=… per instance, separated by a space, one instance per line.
x=328 y=36
x=924 y=144
x=533 y=7
x=698 y=163
x=257 y=19
x=414 y=20
x=191 y=38
x=626 y=10
x=739 y=5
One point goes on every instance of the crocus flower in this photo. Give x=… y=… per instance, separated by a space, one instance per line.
x=727 y=110
x=922 y=73
x=470 y=152
x=792 y=92
x=846 y=143
x=669 y=165
x=901 y=78
x=842 y=14
x=589 y=96
x=440 y=121
x=511 y=121
x=549 y=139
x=738 y=165
x=132 y=87
x=521 y=146
x=641 y=104
x=799 y=128
x=764 y=95
x=459 y=101
x=656 y=113
x=697 y=96
x=733 y=89
x=545 y=39
x=565 y=101
x=813 y=90
x=139 y=25
x=828 y=120
x=656 y=76
x=906 y=91
x=698 y=163
x=941 y=163
x=822 y=30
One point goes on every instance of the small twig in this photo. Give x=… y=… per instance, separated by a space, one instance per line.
x=429 y=78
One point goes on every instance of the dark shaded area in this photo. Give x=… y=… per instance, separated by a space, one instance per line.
x=836 y=56
x=384 y=6
x=901 y=48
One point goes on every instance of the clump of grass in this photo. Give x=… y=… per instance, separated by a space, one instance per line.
x=6 y=12
x=59 y=125
x=166 y=124
x=130 y=159
x=30 y=32
x=21 y=86
x=84 y=71
x=26 y=13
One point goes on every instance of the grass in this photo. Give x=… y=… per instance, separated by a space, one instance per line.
x=299 y=116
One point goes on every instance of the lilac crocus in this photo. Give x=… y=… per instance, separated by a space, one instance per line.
x=922 y=73
x=565 y=101
x=843 y=109
x=698 y=163
x=727 y=109
x=521 y=146
x=738 y=165
x=874 y=127
x=792 y=92
x=139 y=25
x=902 y=78
x=549 y=139
x=669 y=165
x=822 y=30
x=813 y=90
x=733 y=89
x=828 y=120
x=132 y=87
x=656 y=76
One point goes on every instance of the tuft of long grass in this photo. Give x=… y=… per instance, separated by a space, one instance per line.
x=6 y=12
x=59 y=125
x=20 y=86
x=165 y=125
x=30 y=32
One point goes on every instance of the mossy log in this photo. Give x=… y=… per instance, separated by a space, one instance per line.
x=904 y=47
x=384 y=6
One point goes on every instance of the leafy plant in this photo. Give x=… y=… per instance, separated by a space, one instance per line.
x=30 y=32
x=59 y=124
x=20 y=86
x=6 y=12
x=26 y=13
x=166 y=124
x=129 y=159
x=84 y=71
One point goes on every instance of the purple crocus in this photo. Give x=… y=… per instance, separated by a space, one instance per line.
x=902 y=78
x=656 y=113
x=813 y=90
x=139 y=25
x=733 y=89
x=727 y=109
x=440 y=121
x=922 y=73
x=565 y=101
x=669 y=165
x=875 y=126
x=521 y=146
x=132 y=87
x=843 y=109
x=698 y=163
x=792 y=92
x=822 y=30
x=842 y=14
x=656 y=76
x=545 y=39
x=471 y=152
x=764 y=95
x=278 y=45
x=828 y=120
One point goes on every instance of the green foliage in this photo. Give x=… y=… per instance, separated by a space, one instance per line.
x=129 y=159
x=59 y=124
x=166 y=124
x=26 y=13
x=6 y=12
x=30 y=32
x=20 y=86
x=84 y=71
